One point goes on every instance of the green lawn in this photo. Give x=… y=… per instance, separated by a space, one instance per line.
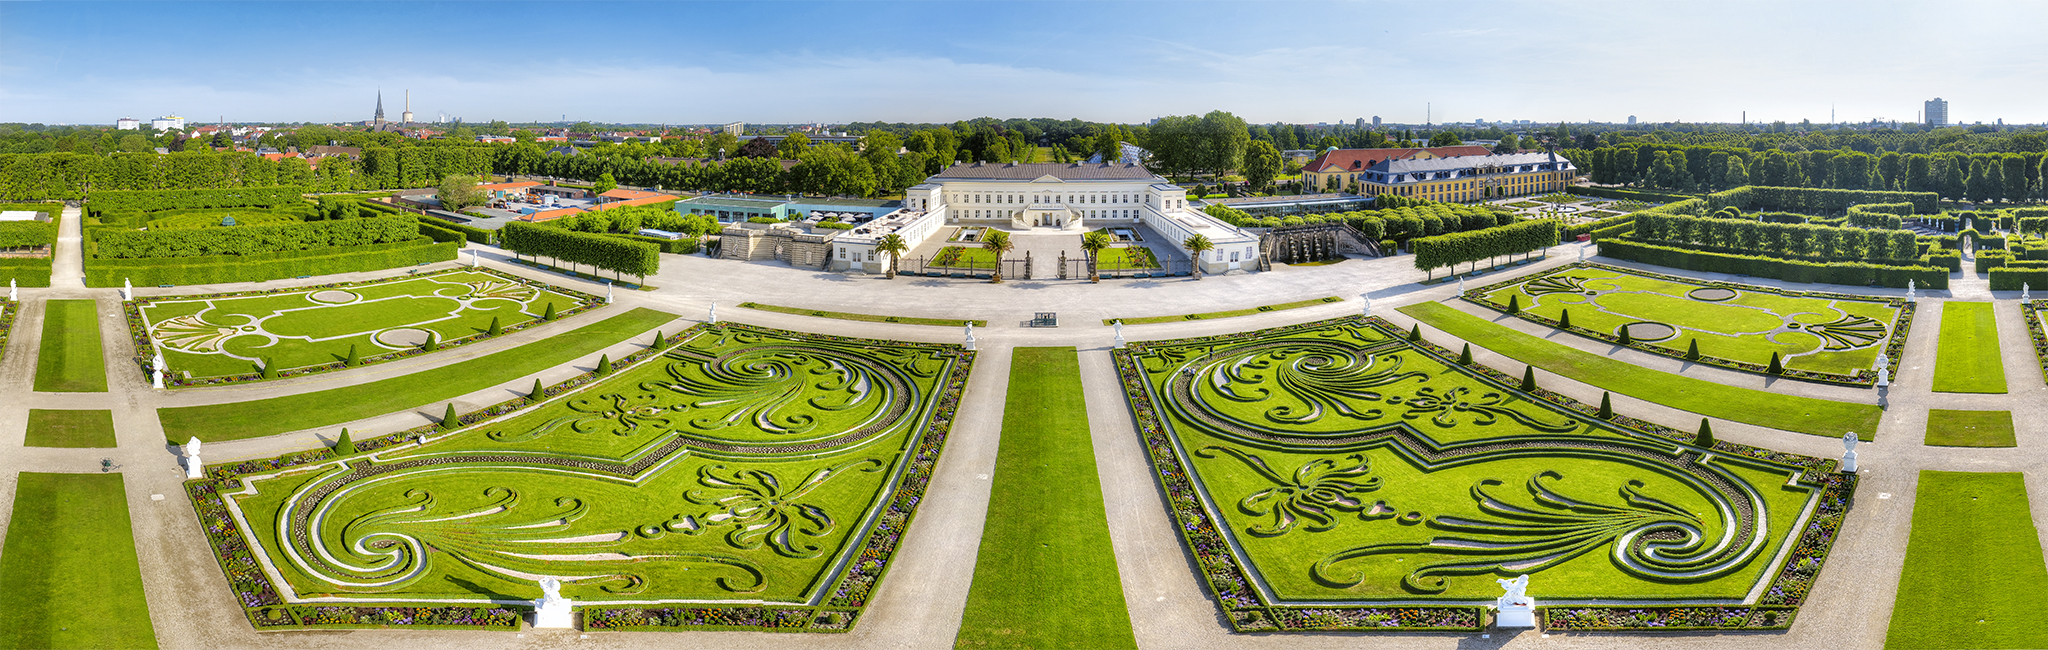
x=1788 y=412
x=1134 y=257
x=1221 y=314
x=1968 y=358
x=219 y=335
x=1947 y=428
x=70 y=361
x=970 y=257
x=70 y=571
x=1046 y=576
x=70 y=428
x=235 y=421
x=869 y=318
x=1974 y=575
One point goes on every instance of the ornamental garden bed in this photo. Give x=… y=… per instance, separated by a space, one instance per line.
x=2034 y=310
x=964 y=257
x=733 y=477
x=1126 y=257
x=1336 y=476
x=226 y=338
x=1822 y=337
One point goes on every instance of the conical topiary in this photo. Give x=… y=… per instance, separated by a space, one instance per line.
x=1528 y=379
x=550 y=313
x=352 y=360
x=343 y=446
x=1777 y=367
x=433 y=343
x=1692 y=351
x=658 y=338
x=1415 y=333
x=1606 y=406
x=449 y=420
x=1515 y=304
x=1465 y=356
x=1564 y=320
x=269 y=368
x=495 y=329
x=1705 y=438
x=1625 y=338
x=539 y=392
x=604 y=365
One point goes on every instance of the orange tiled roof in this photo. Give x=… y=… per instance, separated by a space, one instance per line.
x=1344 y=160
x=628 y=194
x=508 y=186
x=551 y=215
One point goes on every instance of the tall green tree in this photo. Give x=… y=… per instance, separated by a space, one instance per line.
x=1196 y=246
x=1262 y=163
x=605 y=183
x=1092 y=244
x=792 y=145
x=997 y=243
x=458 y=191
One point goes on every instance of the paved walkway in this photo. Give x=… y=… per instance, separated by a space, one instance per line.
x=919 y=605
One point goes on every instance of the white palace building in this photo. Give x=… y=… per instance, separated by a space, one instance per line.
x=1048 y=198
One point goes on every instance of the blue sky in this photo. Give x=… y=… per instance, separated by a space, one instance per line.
x=703 y=62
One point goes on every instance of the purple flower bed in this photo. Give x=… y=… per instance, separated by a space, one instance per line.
x=1895 y=346
x=267 y=610
x=1248 y=613
x=2032 y=309
x=7 y=313
x=145 y=349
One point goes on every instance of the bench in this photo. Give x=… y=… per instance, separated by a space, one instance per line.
x=1046 y=319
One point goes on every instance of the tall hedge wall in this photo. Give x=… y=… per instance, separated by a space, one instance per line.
x=153 y=200
x=607 y=253
x=1639 y=195
x=1808 y=200
x=25 y=272
x=251 y=240
x=1850 y=273
x=19 y=234
x=1778 y=239
x=1475 y=245
x=266 y=266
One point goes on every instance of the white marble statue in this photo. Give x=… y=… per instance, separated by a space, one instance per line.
x=1461 y=284
x=1884 y=377
x=2025 y=290
x=552 y=610
x=156 y=371
x=714 y=312
x=1119 y=342
x=127 y=290
x=607 y=293
x=1849 y=454
x=1368 y=306
x=1582 y=252
x=970 y=336
x=1909 y=290
x=192 y=463
x=472 y=258
x=1515 y=608
x=13 y=292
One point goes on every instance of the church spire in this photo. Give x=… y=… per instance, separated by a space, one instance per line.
x=380 y=105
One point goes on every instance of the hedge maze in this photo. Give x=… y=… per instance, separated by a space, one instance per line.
x=1333 y=476
x=1814 y=336
x=225 y=338
x=740 y=478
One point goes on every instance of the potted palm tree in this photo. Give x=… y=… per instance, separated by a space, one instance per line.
x=996 y=242
x=1093 y=243
x=893 y=246
x=1197 y=245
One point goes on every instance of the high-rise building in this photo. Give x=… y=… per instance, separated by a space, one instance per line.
x=1631 y=119
x=1937 y=112
x=735 y=128
x=1375 y=121
x=1360 y=123
x=127 y=124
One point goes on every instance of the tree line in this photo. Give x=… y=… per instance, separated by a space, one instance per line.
x=618 y=255
x=1978 y=177
x=1472 y=246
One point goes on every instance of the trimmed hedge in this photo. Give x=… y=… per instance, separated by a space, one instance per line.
x=22 y=234
x=1475 y=245
x=476 y=235
x=1808 y=200
x=2009 y=278
x=267 y=266
x=1777 y=239
x=1639 y=195
x=602 y=251
x=153 y=200
x=25 y=271
x=1948 y=260
x=249 y=240
x=1850 y=273
x=440 y=232
x=1887 y=216
x=684 y=246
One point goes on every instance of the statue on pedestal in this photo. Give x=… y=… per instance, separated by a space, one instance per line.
x=127 y=290
x=156 y=371
x=714 y=313
x=607 y=293
x=1368 y=306
x=552 y=610
x=1119 y=342
x=1849 y=455
x=970 y=335
x=472 y=258
x=192 y=464
x=1909 y=290
x=13 y=292
x=1514 y=608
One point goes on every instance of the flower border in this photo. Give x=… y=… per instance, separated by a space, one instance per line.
x=266 y=610
x=145 y=349
x=1247 y=612
x=7 y=313
x=1895 y=346
x=2033 y=310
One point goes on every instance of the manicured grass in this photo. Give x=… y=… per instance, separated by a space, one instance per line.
x=871 y=318
x=969 y=257
x=1134 y=257
x=69 y=361
x=70 y=428
x=1974 y=575
x=1788 y=412
x=70 y=571
x=1970 y=428
x=1968 y=358
x=1046 y=576
x=1222 y=314
x=235 y=421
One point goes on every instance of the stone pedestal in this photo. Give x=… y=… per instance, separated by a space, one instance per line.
x=1515 y=613
x=557 y=613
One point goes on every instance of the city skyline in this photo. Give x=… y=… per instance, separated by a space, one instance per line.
x=1128 y=63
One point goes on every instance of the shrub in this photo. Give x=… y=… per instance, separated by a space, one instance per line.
x=550 y=314
x=1515 y=304
x=1705 y=438
x=1777 y=367
x=342 y=445
x=1692 y=350
x=1528 y=379
x=495 y=329
x=152 y=200
x=604 y=364
x=1415 y=333
x=1606 y=405
x=24 y=234
x=269 y=368
x=1465 y=356
x=449 y=419
x=538 y=393
x=352 y=360
x=1564 y=319
x=250 y=240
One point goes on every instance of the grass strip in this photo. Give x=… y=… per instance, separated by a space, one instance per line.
x=868 y=318
x=1787 y=412
x=70 y=360
x=238 y=420
x=70 y=569
x=1968 y=361
x=1974 y=575
x=1046 y=576
x=70 y=428
x=1222 y=314
x=1947 y=428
